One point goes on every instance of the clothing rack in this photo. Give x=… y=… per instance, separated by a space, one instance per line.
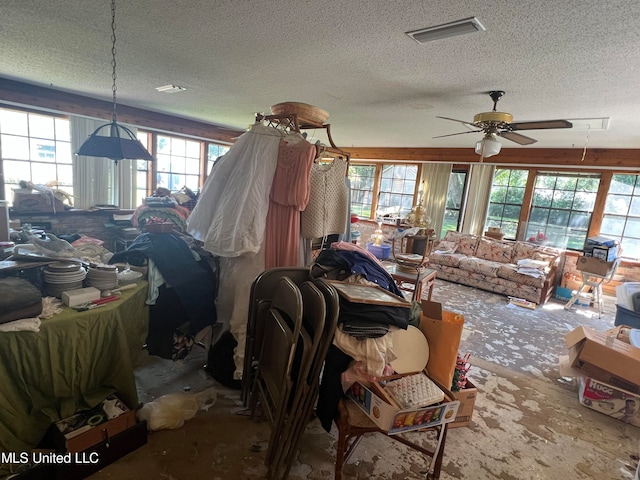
x=291 y=123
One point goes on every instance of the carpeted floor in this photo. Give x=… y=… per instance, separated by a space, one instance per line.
x=527 y=424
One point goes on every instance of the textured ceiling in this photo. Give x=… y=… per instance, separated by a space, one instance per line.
x=555 y=59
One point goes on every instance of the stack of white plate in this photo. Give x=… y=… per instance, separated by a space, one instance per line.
x=63 y=276
x=102 y=276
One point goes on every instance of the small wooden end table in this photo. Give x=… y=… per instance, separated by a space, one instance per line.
x=421 y=279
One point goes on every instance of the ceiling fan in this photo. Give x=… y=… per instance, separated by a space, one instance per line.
x=499 y=124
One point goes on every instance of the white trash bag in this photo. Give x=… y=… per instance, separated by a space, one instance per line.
x=171 y=411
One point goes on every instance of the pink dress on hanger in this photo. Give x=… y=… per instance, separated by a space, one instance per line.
x=289 y=196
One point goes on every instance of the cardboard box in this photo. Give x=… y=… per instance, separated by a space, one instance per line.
x=603 y=356
x=594 y=265
x=565 y=295
x=35 y=202
x=88 y=428
x=467 y=398
x=73 y=298
x=88 y=462
x=599 y=240
x=607 y=254
x=392 y=419
x=611 y=401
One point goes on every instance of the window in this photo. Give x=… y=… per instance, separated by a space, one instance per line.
x=397 y=188
x=213 y=152
x=393 y=185
x=178 y=163
x=35 y=147
x=362 y=178
x=455 y=200
x=507 y=194
x=561 y=208
x=621 y=218
x=142 y=169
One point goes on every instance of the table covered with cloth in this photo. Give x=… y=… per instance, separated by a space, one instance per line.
x=74 y=362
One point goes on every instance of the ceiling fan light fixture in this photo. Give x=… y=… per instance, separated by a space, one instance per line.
x=120 y=143
x=488 y=146
x=446 y=30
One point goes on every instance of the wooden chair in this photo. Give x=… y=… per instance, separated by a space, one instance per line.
x=353 y=424
x=412 y=250
x=410 y=255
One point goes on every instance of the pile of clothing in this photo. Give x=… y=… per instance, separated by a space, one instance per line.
x=362 y=341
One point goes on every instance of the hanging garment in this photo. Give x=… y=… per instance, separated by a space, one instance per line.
x=289 y=195
x=231 y=212
x=326 y=212
x=236 y=276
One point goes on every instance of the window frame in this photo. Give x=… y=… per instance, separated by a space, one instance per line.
x=58 y=139
x=510 y=234
x=634 y=202
x=463 y=200
x=376 y=190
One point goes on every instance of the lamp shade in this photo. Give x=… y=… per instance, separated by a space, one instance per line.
x=121 y=144
x=488 y=146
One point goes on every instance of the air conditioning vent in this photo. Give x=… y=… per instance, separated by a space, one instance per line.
x=460 y=27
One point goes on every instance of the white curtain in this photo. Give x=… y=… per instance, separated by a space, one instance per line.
x=475 y=211
x=127 y=183
x=435 y=185
x=97 y=180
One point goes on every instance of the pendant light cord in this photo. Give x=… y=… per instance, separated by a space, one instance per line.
x=113 y=56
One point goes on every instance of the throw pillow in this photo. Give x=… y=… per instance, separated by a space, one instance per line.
x=445 y=247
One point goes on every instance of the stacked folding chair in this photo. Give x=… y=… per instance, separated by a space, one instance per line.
x=262 y=291
x=292 y=337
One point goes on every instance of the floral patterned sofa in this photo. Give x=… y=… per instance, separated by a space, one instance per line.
x=519 y=269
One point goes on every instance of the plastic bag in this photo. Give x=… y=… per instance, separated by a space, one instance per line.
x=171 y=411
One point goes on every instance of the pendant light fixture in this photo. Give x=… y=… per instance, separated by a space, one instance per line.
x=120 y=143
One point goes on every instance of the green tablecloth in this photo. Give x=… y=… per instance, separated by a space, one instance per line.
x=74 y=362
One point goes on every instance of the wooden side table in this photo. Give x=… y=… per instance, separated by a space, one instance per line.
x=420 y=280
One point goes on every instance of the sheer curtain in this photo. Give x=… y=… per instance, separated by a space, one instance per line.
x=97 y=180
x=475 y=212
x=435 y=180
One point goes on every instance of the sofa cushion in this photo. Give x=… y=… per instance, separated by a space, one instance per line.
x=477 y=265
x=510 y=272
x=495 y=251
x=466 y=243
x=448 y=259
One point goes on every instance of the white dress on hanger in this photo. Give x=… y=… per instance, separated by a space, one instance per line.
x=231 y=212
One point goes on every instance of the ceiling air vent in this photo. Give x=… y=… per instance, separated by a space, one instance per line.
x=446 y=30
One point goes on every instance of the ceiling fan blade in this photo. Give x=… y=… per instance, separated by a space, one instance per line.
x=459 y=121
x=540 y=125
x=516 y=137
x=459 y=133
